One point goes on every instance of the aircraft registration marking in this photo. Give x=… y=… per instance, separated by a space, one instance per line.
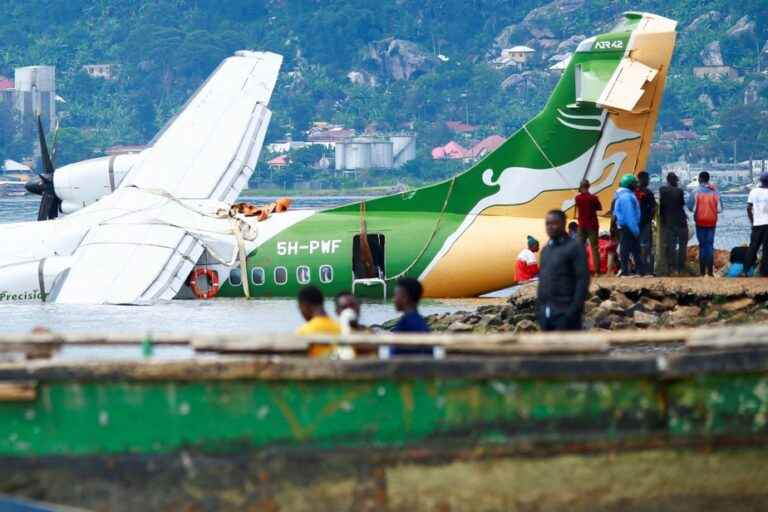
x=310 y=247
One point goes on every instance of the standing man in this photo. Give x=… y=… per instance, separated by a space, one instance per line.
x=647 y=212
x=705 y=205
x=674 y=224
x=627 y=214
x=757 y=210
x=527 y=267
x=587 y=206
x=563 y=280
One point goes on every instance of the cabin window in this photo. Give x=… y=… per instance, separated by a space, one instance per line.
x=235 y=278
x=326 y=274
x=360 y=269
x=257 y=276
x=302 y=274
x=281 y=275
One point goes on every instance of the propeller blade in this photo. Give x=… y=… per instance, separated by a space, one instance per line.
x=50 y=204
x=44 y=154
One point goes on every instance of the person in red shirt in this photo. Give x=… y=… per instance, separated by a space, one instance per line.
x=527 y=267
x=587 y=206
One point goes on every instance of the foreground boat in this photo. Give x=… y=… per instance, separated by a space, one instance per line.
x=582 y=421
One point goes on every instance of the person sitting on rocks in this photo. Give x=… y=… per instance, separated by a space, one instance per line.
x=563 y=280
x=408 y=293
x=527 y=266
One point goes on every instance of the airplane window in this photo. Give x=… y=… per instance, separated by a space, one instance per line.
x=302 y=274
x=257 y=276
x=326 y=273
x=281 y=275
x=235 y=278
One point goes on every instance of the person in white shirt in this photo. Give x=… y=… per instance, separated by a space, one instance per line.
x=757 y=210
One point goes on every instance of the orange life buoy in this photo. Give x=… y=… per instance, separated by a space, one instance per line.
x=213 y=282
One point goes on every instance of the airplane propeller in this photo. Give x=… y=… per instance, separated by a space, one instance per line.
x=50 y=204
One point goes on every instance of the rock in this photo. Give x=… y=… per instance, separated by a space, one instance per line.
x=362 y=77
x=472 y=319
x=610 y=322
x=738 y=305
x=525 y=79
x=706 y=100
x=622 y=300
x=653 y=305
x=668 y=303
x=398 y=59
x=712 y=316
x=683 y=315
x=570 y=44
x=612 y=307
x=702 y=21
x=526 y=326
x=644 y=319
x=460 y=327
x=711 y=55
x=743 y=29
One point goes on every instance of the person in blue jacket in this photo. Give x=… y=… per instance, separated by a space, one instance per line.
x=626 y=212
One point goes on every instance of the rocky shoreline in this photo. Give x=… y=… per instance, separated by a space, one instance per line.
x=628 y=303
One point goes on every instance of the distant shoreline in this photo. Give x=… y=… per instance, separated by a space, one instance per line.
x=365 y=191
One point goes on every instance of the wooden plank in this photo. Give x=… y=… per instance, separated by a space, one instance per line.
x=729 y=337
x=18 y=391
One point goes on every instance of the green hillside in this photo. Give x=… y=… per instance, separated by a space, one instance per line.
x=418 y=64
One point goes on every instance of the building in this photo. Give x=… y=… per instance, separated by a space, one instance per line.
x=715 y=72
x=720 y=174
x=33 y=93
x=517 y=56
x=451 y=151
x=287 y=145
x=278 y=162
x=104 y=71
x=375 y=152
x=486 y=146
x=5 y=83
x=560 y=63
x=328 y=134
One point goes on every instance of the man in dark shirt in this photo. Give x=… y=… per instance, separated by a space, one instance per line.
x=587 y=206
x=674 y=224
x=407 y=296
x=647 y=212
x=563 y=279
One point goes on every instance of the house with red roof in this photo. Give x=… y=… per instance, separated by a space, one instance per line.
x=279 y=161
x=5 y=83
x=451 y=151
x=486 y=146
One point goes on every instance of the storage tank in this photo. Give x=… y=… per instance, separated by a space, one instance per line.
x=381 y=153
x=36 y=93
x=403 y=149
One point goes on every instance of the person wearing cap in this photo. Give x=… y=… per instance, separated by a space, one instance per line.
x=674 y=224
x=626 y=211
x=527 y=266
x=757 y=211
x=587 y=206
x=705 y=204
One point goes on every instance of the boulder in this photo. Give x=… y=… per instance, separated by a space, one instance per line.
x=652 y=305
x=622 y=300
x=703 y=21
x=711 y=55
x=570 y=44
x=738 y=305
x=460 y=327
x=398 y=59
x=526 y=326
x=683 y=315
x=743 y=29
x=642 y=319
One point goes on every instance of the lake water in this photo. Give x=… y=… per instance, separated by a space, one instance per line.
x=240 y=315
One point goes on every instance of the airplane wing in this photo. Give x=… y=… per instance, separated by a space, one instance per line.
x=146 y=246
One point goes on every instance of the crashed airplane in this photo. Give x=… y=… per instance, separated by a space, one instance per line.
x=161 y=225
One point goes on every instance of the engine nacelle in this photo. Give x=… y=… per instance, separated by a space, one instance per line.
x=83 y=183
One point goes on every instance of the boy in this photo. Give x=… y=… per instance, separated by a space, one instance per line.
x=408 y=293
x=317 y=320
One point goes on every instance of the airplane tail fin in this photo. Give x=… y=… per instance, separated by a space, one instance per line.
x=597 y=125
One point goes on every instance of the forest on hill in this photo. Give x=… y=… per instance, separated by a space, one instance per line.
x=393 y=64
